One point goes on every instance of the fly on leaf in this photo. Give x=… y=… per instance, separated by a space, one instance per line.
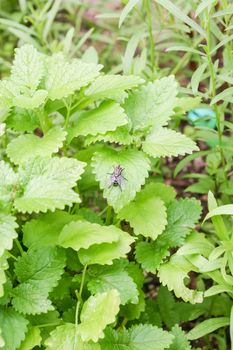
x=117 y=178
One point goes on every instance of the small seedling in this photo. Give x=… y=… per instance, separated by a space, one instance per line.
x=117 y=178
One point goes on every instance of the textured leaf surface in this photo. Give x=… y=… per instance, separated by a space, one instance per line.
x=173 y=273
x=151 y=254
x=180 y=341
x=3 y=267
x=107 y=117
x=7 y=232
x=47 y=184
x=63 y=338
x=146 y=214
x=162 y=142
x=152 y=104
x=138 y=337
x=26 y=147
x=27 y=69
x=112 y=86
x=13 y=326
x=63 y=78
x=8 y=180
x=97 y=312
x=32 y=339
x=38 y=272
x=83 y=234
x=136 y=166
x=105 y=253
x=104 y=278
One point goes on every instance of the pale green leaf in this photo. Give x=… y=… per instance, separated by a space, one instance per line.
x=32 y=339
x=152 y=104
x=2 y=129
x=38 y=272
x=173 y=273
x=7 y=232
x=222 y=210
x=107 y=117
x=223 y=95
x=112 y=86
x=121 y=136
x=63 y=78
x=97 y=312
x=28 y=69
x=162 y=142
x=13 y=326
x=45 y=230
x=146 y=213
x=63 y=338
x=104 y=278
x=3 y=267
x=30 y=102
x=139 y=337
x=8 y=181
x=105 y=253
x=208 y=326
x=47 y=184
x=126 y=10
x=203 y=5
x=136 y=166
x=26 y=147
x=83 y=234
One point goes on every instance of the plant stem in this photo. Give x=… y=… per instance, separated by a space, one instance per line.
x=108 y=215
x=213 y=87
x=79 y=296
x=150 y=30
x=19 y=246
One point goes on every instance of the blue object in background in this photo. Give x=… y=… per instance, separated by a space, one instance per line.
x=203 y=117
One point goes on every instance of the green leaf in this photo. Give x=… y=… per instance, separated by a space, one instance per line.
x=45 y=230
x=208 y=326
x=3 y=267
x=8 y=181
x=203 y=5
x=32 y=339
x=26 y=147
x=182 y=215
x=13 y=326
x=64 y=78
x=97 y=312
x=47 y=184
x=173 y=9
x=222 y=96
x=222 y=210
x=153 y=104
x=30 y=102
x=180 y=341
x=162 y=142
x=63 y=338
x=28 y=69
x=38 y=272
x=83 y=234
x=104 y=278
x=112 y=86
x=173 y=274
x=146 y=213
x=107 y=117
x=136 y=166
x=7 y=232
x=151 y=254
x=121 y=136
x=126 y=10
x=105 y=253
x=197 y=77
x=138 y=337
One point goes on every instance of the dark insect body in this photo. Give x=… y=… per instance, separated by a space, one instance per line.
x=116 y=178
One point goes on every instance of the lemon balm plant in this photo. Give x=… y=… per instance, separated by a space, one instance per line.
x=75 y=243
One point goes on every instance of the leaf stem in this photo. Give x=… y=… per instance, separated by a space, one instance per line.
x=79 y=297
x=108 y=215
x=19 y=246
x=151 y=37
